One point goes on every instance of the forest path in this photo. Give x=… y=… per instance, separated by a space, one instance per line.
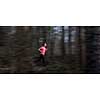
x=55 y=67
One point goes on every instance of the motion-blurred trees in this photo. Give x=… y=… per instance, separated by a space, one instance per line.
x=76 y=46
x=93 y=49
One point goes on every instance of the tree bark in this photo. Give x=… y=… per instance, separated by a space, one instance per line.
x=62 y=42
x=93 y=49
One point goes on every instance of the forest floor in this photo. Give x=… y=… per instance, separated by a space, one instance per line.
x=57 y=65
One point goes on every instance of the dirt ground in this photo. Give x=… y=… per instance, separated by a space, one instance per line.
x=54 y=65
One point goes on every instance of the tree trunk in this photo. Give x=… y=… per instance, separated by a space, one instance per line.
x=79 y=45
x=69 y=44
x=23 y=50
x=52 y=42
x=93 y=49
x=62 y=42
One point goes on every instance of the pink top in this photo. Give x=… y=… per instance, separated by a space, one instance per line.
x=42 y=50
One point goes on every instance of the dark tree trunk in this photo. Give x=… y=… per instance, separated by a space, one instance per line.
x=62 y=42
x=23 y=50
x=79 y=45
x=69 y=45
x=93 y=49
x=52 y=42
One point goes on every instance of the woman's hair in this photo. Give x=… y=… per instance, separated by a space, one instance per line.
x=44 y=44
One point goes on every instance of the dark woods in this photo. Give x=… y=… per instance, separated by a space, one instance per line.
x=71 y=49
